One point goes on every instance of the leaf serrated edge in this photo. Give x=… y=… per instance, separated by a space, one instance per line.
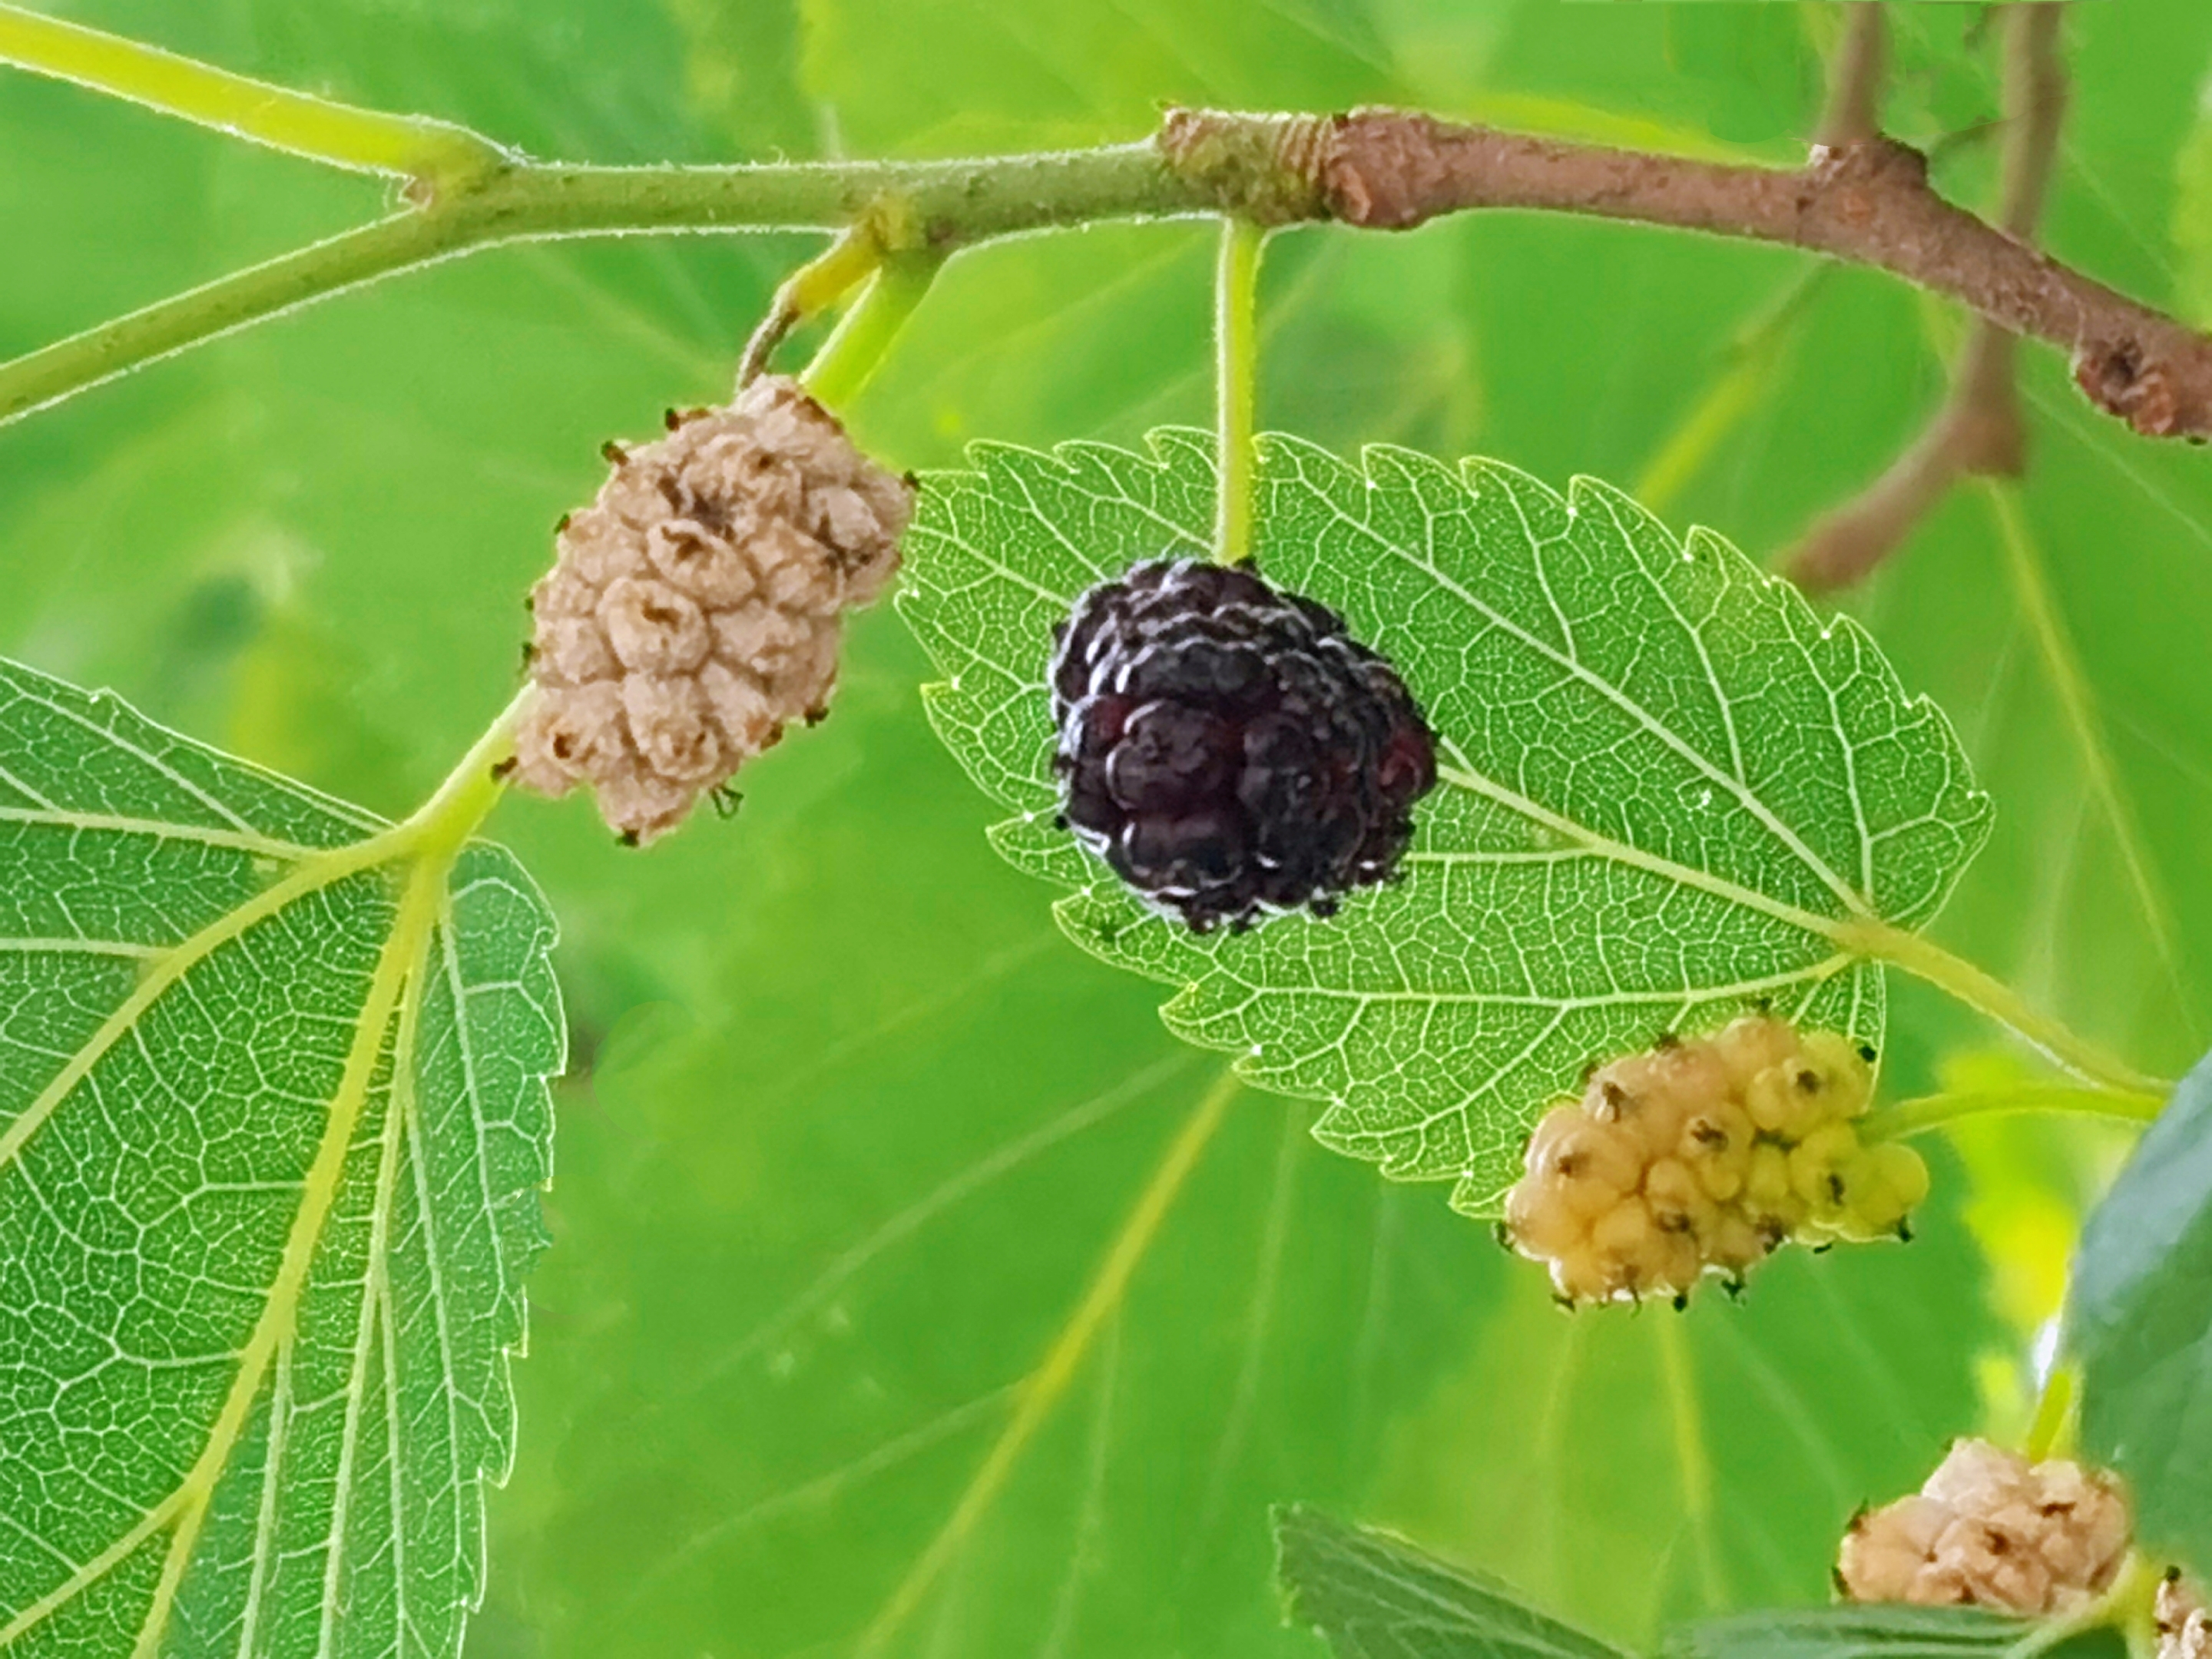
x=430 y=843
x=1860 y=932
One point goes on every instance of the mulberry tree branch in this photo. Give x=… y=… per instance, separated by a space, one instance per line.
x=1868 y=203
x=1978 y=431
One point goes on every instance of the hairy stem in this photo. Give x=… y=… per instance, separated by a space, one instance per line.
x=1378 y=169
x=850 y=357
x=1991 y=996
x=437 y=828
x=433 y=153
x=1237 y=363
x=956 y=202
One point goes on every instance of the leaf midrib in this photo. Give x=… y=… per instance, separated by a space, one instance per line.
x=1568 y=660
x=311 y=875
x=397 y=966
x=1467 y=776
x=1464 y=775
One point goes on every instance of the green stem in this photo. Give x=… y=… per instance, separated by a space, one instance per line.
x=1237 y=356
x=955 y=202
x=849 y=357
x=1927 y=1112
x=814 y=287
x=442 y=824
x=2047 y=1435
x=437 y=153
x=1993 y=996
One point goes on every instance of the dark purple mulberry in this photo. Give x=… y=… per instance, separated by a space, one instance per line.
x=1229 y=749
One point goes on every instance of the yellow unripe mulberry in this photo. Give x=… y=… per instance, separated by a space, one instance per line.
x=1752 y=1045
x=1592 y=1166
x=1624 y=1234
x=1677 y=1200
x=1883 y=1185
x=1716 y=1147
x=1542 y=1226
x=1736 y=1245
x=1841 y=1068
x=1704 y=1155
x=1767 y=1187
x=1816 y=1165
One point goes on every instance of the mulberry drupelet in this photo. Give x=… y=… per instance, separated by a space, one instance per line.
x=1229 y=749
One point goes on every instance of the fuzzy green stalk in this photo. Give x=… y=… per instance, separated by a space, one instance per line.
x=1986 y=993
x=1236 y=358
x=855 y=349
x=1927 y=1113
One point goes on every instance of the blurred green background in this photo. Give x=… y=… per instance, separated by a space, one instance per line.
x=850 y=1128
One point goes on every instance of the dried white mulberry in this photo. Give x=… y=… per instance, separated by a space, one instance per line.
x=1989 y=1529
x=1704 y=1156
x=695 y=607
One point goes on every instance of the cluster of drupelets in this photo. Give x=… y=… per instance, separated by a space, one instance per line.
x=1707 y=1155
x=695 y=610
x=1991 y=1529
x=696 y=607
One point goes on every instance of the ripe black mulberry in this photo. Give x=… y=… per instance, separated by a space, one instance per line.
x=1230 y=750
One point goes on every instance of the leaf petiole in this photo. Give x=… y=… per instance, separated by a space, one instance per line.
x=850 y=357
x=437 y=829
x=1928 y=1112
x=1989 y=995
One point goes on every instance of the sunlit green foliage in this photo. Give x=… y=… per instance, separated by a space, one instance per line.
x=851 y=1125
x=1665 y=780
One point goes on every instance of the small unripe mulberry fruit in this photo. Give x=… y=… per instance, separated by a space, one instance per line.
x=1989 y=1529
x=1230 y=750
x=1704 y=1156
x=694 y=607
x=2185 y=1629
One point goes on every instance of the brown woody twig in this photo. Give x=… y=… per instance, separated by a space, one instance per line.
x=1978 y=430
x=1869 y=202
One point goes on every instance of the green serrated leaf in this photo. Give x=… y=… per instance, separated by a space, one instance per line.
x=2139 y=1321
x=1877 y=1633
x=1670 y=790
x=273 y=1123
x=1374 y=1596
